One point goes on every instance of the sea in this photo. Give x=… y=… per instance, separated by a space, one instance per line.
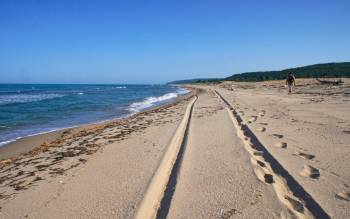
x=31 y=109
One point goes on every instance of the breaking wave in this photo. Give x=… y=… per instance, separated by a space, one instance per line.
x=154 y=101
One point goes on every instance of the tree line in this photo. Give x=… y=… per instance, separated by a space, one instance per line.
x=327 y=70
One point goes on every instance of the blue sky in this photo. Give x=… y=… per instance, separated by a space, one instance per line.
x=159 y=41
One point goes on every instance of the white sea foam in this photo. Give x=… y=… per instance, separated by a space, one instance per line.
x=25 y=98
x=6 y=142
x=2 y=143
x=120 y=87
x=153 y=101
x=80 y=93
x=182 y=91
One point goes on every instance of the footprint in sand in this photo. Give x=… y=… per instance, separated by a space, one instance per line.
x=305 y=156
x=343 y=196
x=281 y=145
x=256 y=162
x=252 y=119
x=310 y=171
x=262 y=176
x=268 y=178
x=296 y=205
x=263 y=123
x=277 y=135
x=262 y=129
x=262 y=114
x=258 y=153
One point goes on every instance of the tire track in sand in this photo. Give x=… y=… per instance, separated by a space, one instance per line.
x=298 y=202
x=158 y=195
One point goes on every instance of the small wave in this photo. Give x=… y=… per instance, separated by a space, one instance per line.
x=182 y=91
x=151 y=101
x=120 y=87
x=26 y=98
x=2 y=143
x=81 y=93
x=8 y=141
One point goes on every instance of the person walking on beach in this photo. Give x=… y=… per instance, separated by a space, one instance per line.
x=290 y=82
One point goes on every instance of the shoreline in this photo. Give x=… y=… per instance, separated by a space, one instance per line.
x=31 y=120
x=253 y=147
x=25 y=144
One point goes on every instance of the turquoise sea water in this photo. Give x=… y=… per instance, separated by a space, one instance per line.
x=28 y=109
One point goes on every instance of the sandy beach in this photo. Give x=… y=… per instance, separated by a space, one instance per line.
x=174 y=109
x=306 y=132
x=229 y=150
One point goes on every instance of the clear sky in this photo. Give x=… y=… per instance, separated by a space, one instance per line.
x=129 y=41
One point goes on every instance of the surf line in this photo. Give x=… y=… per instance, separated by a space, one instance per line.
x=270 y=171
x=155 y=192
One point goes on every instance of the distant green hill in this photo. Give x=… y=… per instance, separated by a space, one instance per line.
x=327 y=70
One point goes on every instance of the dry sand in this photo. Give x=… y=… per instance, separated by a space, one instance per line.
x=307 y=132
x=216 y=179
x=235 y=150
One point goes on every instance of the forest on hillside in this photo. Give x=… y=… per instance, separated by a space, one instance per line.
x=328 y=70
